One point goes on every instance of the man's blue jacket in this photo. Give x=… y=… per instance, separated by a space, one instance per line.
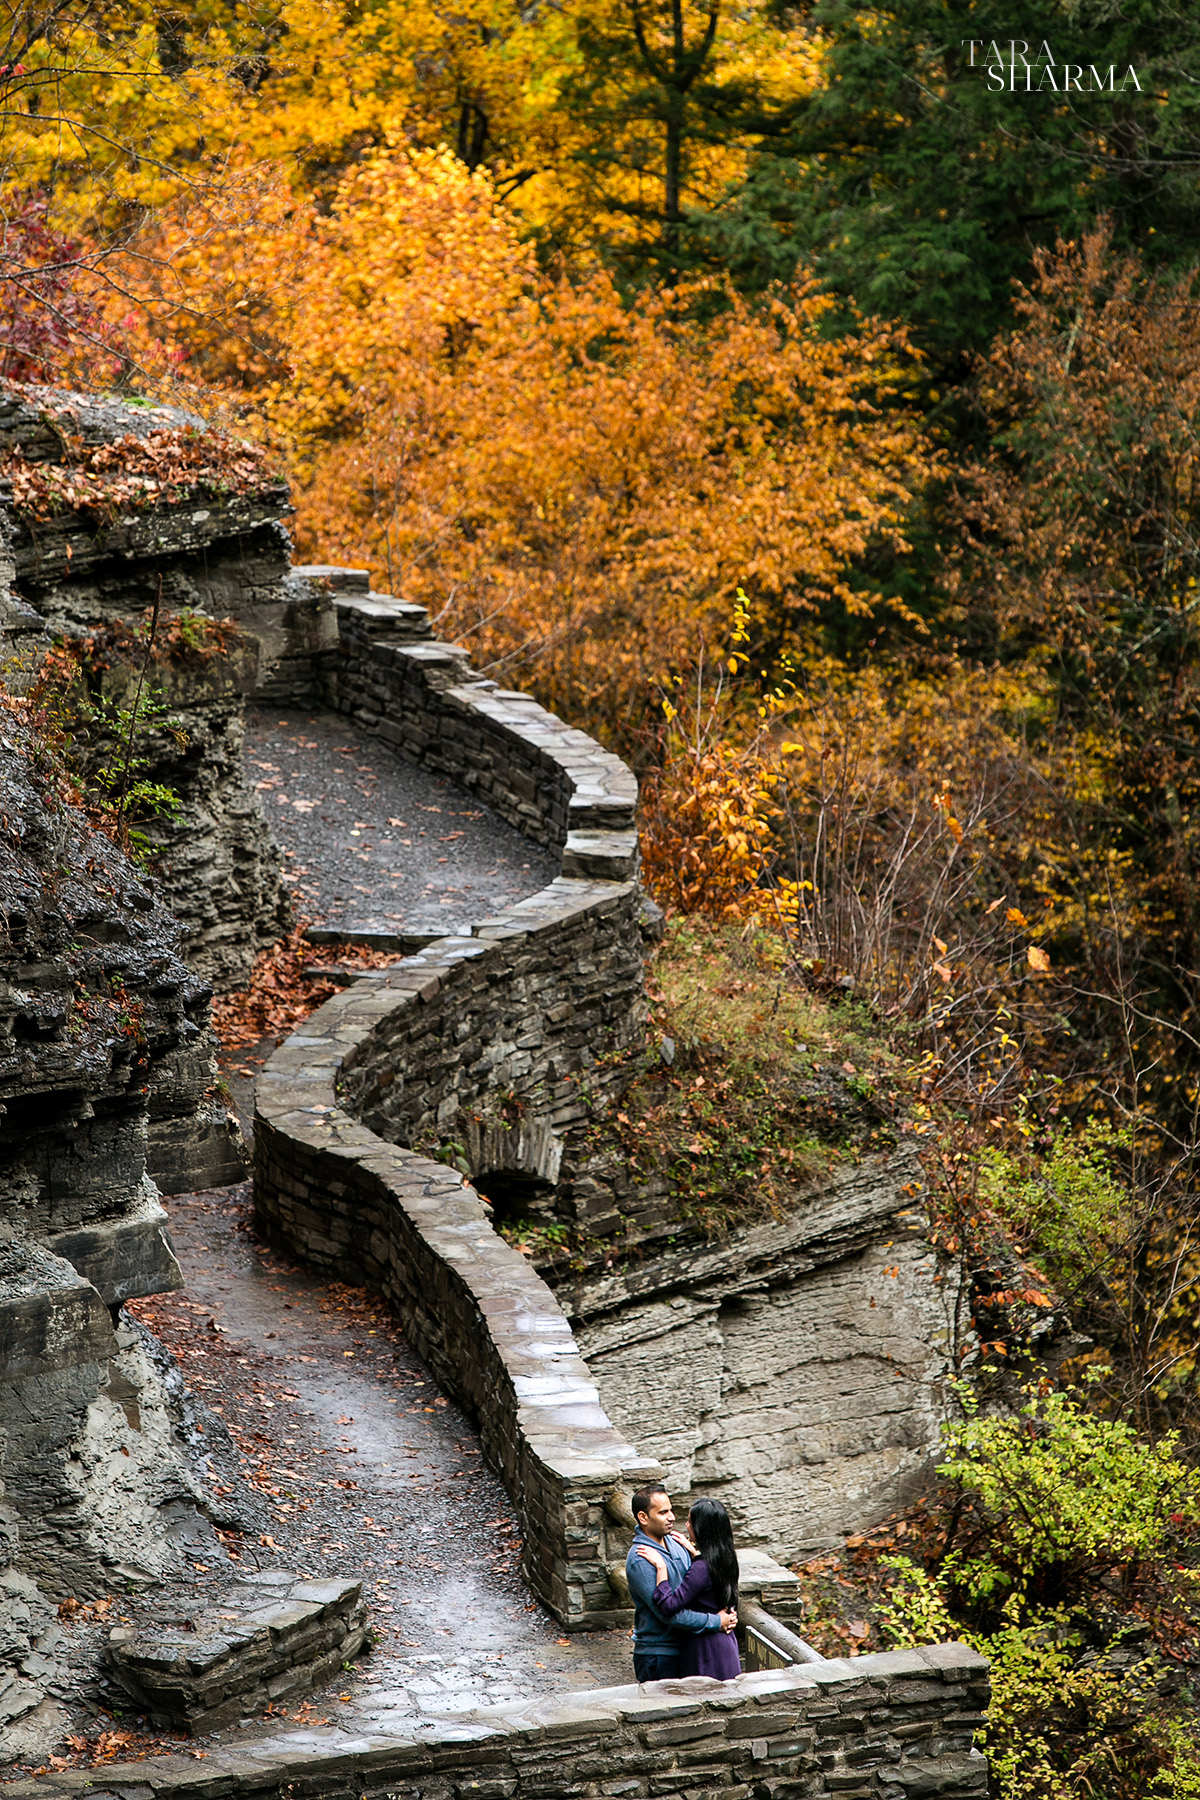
x=651 y=1632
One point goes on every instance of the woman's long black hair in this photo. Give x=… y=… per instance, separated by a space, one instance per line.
x=712 y=1534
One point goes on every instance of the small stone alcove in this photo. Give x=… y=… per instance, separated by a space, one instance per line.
x=514 y=1194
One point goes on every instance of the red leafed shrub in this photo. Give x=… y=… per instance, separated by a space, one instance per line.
x=50 y=320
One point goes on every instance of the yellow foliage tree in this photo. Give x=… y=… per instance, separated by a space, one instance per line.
x=111 y=110
x=117 y=109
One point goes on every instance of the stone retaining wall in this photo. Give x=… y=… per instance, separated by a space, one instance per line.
x=473 y=1309
x=490 y=1043
x=878 y=1728
x=500 y=1039
x=284 y=1638
x=547 y=779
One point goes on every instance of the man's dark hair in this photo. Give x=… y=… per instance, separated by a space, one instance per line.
x=641 y=1500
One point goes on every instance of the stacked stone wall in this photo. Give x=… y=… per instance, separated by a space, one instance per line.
x=545 y=778
x=283 y=1638
x=522 y=1017
x=892 y=1727
x=481 y=1319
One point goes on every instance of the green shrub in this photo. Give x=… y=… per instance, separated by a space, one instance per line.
x=1058 y=1494
x=1053 y=1516
x=1072 y=1206
x=1051 y=1724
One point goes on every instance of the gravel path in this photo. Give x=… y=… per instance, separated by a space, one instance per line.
x=374 y=844
x=367 y=1471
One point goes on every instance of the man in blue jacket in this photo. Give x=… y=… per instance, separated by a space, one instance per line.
x=655 y=1639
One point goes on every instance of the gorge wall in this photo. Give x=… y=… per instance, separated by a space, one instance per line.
x=102 y=1461
x=91 y=573
x=106 y=1051
x=798 y=1367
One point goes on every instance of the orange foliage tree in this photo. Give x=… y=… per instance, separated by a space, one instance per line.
x=576 y=485
x=888 y=823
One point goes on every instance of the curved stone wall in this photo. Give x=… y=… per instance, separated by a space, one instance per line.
x=805 y=1357
x=872 y=1728
x=523 y=1014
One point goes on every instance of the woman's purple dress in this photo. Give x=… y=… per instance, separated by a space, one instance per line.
x=712 y=1653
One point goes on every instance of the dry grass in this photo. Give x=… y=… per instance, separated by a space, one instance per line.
x=751 y=1085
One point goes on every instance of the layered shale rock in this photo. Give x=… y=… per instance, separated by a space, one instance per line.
x=116 y=514
x=99 y=1483
x=805 y=1359
x=273 y=1638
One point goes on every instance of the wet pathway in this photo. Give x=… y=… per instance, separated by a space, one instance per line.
x=360 y=1466
x=365 y=1469
x=372 y=843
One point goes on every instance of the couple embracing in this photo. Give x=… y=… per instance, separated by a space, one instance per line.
x=684 y=1590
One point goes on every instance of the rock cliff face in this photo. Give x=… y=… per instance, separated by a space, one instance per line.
x=94 y=542
x=109 y=511
x=795 y=1371
x=98 y=1484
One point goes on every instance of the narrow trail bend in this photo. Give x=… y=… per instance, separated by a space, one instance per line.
x=364 y=1468
x=375 y=844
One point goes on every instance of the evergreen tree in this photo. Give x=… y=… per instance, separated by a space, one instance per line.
x=940 y=149
x=667 y=98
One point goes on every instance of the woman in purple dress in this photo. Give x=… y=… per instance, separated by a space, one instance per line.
x=710 y=1585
